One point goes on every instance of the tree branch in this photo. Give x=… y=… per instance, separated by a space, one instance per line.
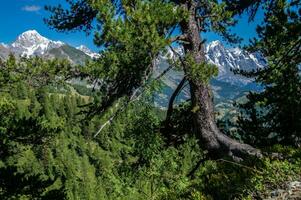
x=171 y=102
x=196 y=167
x=203 y=17
x=179 y=56
x=131 y=99
x=182 y=38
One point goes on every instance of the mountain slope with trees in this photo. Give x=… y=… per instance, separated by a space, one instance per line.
x=109 y=141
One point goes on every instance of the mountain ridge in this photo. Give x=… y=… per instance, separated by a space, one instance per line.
x=227 y=60
x=31 y=43
x=226 y=85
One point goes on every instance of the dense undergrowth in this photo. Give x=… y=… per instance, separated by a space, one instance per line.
x=48 y=151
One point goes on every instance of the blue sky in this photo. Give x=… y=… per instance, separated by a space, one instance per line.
x=17 y=16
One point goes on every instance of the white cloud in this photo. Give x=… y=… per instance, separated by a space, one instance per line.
x=32 y=8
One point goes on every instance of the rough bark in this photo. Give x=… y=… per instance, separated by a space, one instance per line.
x=211 y=138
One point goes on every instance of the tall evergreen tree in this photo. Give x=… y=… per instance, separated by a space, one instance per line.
x=274 y=115
x=134 y=32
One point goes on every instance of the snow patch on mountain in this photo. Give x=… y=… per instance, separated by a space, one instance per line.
x=32 y=43
x=229 y=59
x=88 y=51
x=226 y=59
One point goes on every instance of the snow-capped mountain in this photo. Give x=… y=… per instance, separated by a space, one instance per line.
x=231 y=59
x=3 y=45
x=88 y=51
x=32 y=43
x=226 y=59
x=225 y=86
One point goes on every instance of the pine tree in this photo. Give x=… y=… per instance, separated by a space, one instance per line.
x=39 y=142
x=134 y=32
x=274 y=115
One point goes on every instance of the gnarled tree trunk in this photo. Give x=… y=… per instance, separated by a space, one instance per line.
x=211 y=138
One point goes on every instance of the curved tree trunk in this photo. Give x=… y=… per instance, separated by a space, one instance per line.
x=204 y=123
x=171 y=102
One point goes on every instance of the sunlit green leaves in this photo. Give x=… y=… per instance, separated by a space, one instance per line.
x=202 y=71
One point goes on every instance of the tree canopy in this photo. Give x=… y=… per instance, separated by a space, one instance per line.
x=105 y=139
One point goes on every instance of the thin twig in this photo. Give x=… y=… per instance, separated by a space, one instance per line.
x=180 y=58
x=244 y=166
x=179 y=38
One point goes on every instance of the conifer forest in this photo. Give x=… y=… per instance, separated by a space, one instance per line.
x=95 y=127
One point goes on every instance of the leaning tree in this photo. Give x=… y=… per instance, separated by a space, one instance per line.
x=132 y=33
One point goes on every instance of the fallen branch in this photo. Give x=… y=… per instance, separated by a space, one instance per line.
x=104 y=125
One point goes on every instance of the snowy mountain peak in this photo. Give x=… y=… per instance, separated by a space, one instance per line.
x=32 y=34
x=236 y=51
x=227 y=59
x=84 y=48
x=30 y=38
x=216 y=45
x=88 y=51
x=32 y=43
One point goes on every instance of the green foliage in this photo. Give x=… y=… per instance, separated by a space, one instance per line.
x=40 y=136
x=49 y=146
x=132 y=41
x=48 y=150
x=202 y=71
x=274 y=116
